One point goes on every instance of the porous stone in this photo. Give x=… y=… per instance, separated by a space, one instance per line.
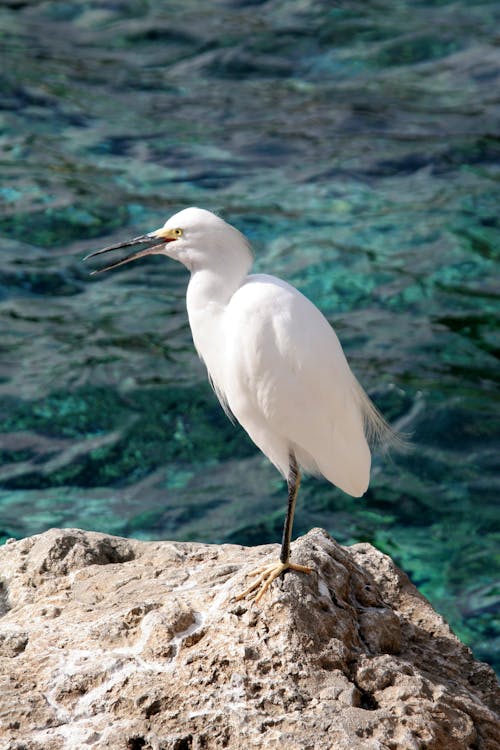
x=122 y=644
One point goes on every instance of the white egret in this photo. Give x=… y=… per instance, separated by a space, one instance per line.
x=274 y=361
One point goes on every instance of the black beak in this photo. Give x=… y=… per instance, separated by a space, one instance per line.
x=142 y=240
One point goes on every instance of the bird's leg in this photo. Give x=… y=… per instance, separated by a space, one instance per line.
x=267 y=573
x=293 y=483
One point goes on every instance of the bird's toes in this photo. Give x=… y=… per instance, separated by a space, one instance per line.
x=300 y=568
x=266 y=574
x=251 y=591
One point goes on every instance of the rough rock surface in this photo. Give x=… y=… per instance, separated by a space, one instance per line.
x=122 y=644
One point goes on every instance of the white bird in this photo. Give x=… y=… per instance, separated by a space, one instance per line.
x=274 y=362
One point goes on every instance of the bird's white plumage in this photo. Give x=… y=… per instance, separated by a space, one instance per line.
x=289 y=385
x=273 y=358
x=274 y=361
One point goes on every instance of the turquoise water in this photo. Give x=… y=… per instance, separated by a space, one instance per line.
x=357 y=146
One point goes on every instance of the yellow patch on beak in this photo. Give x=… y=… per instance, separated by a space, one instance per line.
x=166 y=234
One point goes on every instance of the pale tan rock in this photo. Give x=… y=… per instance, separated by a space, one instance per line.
x=128 y=645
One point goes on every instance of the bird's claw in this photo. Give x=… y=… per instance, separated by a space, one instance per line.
x=266 y=575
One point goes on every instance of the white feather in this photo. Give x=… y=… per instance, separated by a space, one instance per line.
x=273 y=359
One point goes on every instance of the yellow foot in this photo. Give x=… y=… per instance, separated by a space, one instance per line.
x=266 y=575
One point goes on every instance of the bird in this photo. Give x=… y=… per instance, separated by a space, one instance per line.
x=274 y=362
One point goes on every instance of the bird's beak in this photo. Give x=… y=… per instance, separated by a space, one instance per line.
x=151 y=239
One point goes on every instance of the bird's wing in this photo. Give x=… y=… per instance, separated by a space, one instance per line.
x=287 y=375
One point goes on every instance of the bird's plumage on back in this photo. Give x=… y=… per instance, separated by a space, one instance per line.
x=275 y=362
x=288 y=383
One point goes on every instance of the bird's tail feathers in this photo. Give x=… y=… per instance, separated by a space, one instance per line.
x=377 y=430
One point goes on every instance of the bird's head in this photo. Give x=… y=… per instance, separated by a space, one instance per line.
x=195 y=237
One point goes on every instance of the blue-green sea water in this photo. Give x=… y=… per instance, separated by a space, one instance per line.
x=357 y=145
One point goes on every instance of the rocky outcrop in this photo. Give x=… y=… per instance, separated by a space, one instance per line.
x=129 y=645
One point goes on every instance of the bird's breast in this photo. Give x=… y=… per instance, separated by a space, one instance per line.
x=206 y=325
x=208 y=300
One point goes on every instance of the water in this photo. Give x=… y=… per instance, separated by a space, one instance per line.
x=357 y=146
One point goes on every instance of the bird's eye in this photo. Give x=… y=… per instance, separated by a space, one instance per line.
x=177 y=232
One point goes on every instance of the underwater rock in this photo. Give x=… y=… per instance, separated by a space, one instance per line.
x=116 y=643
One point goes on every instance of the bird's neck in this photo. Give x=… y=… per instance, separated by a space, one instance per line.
x=208 y=295
x=209 y=288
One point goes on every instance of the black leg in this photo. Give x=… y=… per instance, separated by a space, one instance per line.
x=268 y=573
x=293 y=482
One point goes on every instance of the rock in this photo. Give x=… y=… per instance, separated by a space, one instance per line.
x=129 y=645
